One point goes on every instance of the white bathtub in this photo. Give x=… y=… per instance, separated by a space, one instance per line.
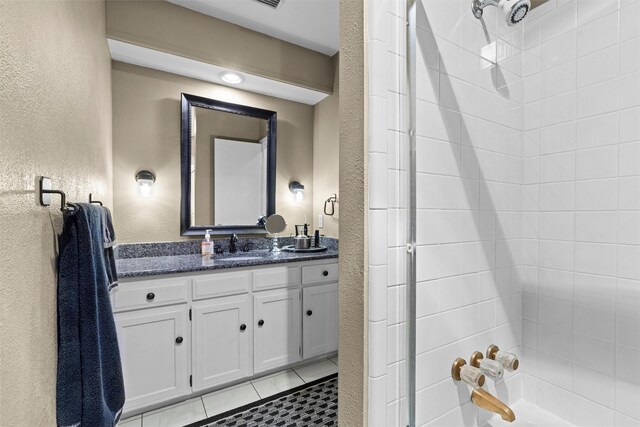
x=529 y=415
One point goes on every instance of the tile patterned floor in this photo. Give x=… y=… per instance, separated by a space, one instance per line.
x=313 y=405
x=211 y=404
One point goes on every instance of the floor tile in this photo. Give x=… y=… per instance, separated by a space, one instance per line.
x=131 y=422
x=317 y=370
x=229 y=398
x=176 y=415
x=334 y=360
x=313 y=406
x=276 y=383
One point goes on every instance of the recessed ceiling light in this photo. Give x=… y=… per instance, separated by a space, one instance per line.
x=231 y=78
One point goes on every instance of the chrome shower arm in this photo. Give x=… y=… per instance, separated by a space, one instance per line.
x=484 y=3
x=513 y=10
x=478 y=5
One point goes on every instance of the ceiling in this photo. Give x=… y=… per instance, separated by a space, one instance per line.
x=312 y=24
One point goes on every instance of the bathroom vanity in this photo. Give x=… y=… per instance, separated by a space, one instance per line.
x=187 y=326
x=188 y=332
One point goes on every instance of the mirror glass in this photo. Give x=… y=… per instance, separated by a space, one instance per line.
x=230 y=154
x=276 y=224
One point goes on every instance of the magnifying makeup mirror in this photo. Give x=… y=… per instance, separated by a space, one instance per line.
x=275 y=224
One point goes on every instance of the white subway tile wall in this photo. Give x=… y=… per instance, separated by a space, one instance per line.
x=581 y=328
x=528 y=197
x=388 y=148
x=470 y=120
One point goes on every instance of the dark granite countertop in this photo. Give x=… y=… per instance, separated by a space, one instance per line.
x=157 y=265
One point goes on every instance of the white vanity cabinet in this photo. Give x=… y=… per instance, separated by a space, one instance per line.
x=276 y=333
x=320 y=319
x=154 y=347
x=191 y=333
x=221 y=331
x=319 y=309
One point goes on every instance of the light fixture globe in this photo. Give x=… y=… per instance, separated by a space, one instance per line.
x=298 y=190
x=145 y=180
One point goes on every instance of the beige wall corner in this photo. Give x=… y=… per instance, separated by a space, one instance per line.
x=326 y=156
x=169 y=28
x=353 y=340
x=55 y=120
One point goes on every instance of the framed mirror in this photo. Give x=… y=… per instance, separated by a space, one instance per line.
x=228 y=167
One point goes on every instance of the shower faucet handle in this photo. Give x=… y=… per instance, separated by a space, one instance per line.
x=508 y=360
x=471 y=375
x=490 y=368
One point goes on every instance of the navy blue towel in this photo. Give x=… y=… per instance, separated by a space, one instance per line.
x=109 y=240
x=90 y=389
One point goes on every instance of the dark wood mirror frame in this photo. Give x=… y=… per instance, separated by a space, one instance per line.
x=188 y=101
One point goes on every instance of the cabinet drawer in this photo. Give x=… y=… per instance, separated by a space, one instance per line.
x=152 y=293
x=325 y=273
x=220 y=284
x=276 y=277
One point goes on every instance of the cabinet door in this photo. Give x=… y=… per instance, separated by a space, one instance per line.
x=276 y=333
x=222 y=328
x=154 y=347
x=320 y=319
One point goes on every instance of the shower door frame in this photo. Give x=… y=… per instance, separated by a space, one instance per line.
x=411 y=288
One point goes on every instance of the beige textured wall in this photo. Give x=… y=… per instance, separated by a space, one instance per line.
x=166 y=27
x=55 y=120
x=326 y=161
x=353 y=339
x=146 y=135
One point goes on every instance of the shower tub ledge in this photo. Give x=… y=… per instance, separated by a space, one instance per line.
x=529 y=415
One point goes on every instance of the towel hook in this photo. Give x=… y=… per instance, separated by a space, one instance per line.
x=45 y=191
x=95 y=202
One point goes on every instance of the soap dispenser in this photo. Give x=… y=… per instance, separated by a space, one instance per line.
x=207 y=246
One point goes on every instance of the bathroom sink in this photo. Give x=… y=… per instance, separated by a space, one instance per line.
x=238 y=258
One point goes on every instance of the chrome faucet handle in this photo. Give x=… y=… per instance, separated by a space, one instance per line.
x=490 y=368
x=508 y=360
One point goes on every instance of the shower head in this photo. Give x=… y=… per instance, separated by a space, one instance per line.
x=513 y=10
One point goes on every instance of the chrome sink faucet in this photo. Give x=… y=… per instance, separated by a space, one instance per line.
x=233 y=248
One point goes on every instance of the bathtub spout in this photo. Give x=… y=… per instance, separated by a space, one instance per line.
x=486 y=400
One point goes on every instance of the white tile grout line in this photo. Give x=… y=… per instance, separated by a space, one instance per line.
x=206 y=415
x=298 y=375
x=256 y=390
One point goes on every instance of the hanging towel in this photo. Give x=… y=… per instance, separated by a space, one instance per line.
x=109 y=240
x=90 y=389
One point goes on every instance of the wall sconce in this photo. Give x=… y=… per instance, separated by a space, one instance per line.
x=298 y=190
x=145 y=180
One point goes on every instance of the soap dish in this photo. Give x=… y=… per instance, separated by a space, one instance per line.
x=291 y=248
